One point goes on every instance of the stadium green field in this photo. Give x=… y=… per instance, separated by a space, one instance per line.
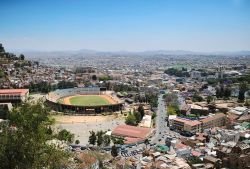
x=88 y=100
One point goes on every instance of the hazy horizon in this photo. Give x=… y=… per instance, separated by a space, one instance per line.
x=133 y=26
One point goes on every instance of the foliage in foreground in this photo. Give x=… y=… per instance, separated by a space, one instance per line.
x=24 y=140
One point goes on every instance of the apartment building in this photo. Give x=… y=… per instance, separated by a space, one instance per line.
x=192 y=126
x=195 y=126
x=216 y=120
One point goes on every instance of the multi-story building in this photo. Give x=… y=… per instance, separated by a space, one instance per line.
x=192 y=126
x=195 y=126
x=216 y=120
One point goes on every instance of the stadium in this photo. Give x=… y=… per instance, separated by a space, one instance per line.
x=92 y=100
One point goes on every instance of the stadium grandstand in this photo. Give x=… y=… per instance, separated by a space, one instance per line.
x=64 y=100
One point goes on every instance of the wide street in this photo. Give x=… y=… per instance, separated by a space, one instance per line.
x=162 y=130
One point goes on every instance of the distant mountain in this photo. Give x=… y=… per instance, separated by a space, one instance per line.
x=237 y=53
x=87 y=52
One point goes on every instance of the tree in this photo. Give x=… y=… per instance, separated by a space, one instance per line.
x=152 y=99
x=212 y=81
x=94 y=77
x=209 y=99
x=21 y=56
x=4 y=112
x=105 y=78
x=44 y=87
x=153 y=115
x=137 y=116
x=194 y=160
x=24 y=140
x=243 y=89
x=146 y=142
x=92 y=138
x=1 y=48
x=106 y=140
x=197 y=98
x=130 y=119
x=120 y=141
x=223 y=91
x=173 y=110
x=77 y=142
x=227 y=92
x=99 y=138
x=219 y=91
x=66 y=136
x=170 y=98
x=1 y=73
x=117 y=140
x=66 y=84
x=141 y=110
x=114 y=151
x=177 y=72
x=50 y=131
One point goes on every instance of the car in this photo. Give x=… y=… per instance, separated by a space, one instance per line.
x=186 y=133
x=83 y=148
x=159 y=139
x=171 y=128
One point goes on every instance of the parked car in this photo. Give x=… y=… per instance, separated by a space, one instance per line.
x=171 y=128
x=186 y=133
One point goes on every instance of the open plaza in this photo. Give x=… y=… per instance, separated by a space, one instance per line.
x=81 y=125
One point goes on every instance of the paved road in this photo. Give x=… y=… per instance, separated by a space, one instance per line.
x=161 y=124
x=162 y=130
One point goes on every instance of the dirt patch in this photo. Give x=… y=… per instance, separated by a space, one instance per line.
x=83 y=119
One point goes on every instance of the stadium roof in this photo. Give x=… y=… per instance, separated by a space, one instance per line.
x=13 y=91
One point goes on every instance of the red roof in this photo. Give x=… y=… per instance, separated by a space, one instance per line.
x=180 y=146
x=214 y=117
x=187 y=121
x=131 y=131
x=129 y=140
x=13 y=91
x=196 y=153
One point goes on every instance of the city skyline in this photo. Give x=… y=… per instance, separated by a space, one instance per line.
x=207 y=26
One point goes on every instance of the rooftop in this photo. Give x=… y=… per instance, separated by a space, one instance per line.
x=187 y=121
x=13 y=91
x=216 y=116
x=131 y=131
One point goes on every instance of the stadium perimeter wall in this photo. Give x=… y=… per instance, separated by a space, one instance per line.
x=53 y=97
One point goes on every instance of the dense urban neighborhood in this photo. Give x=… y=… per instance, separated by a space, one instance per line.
x=175 y=111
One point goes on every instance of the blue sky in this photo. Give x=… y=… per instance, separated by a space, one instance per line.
x=132 y=25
